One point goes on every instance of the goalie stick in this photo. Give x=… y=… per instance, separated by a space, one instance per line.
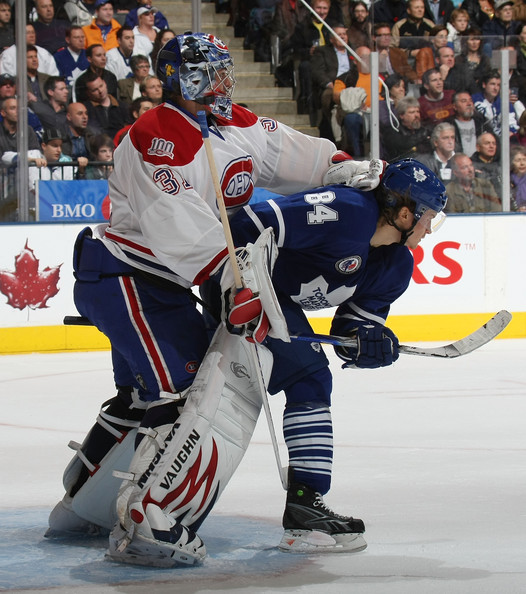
x=464 y=346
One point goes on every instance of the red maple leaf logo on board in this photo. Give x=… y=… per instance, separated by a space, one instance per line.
x=26 y=286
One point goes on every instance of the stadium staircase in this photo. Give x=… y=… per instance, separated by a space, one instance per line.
x=255 y=85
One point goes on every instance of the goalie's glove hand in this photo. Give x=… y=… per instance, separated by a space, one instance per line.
x=364 y=175
x=244 y=314
x=377 y=346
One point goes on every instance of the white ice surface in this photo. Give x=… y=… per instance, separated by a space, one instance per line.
x=430 y=453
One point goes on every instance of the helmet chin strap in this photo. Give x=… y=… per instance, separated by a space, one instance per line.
x=405 y=234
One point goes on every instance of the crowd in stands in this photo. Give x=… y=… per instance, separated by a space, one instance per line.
x=90 y=75
x=440 y=68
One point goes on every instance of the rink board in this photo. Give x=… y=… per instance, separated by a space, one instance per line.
x=465 y=273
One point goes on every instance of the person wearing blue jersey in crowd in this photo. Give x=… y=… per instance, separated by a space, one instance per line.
x=344 y=247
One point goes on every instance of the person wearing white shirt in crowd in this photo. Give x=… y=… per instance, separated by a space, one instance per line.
x=118 y=58
x=46 y=61
x=443 y=143
x=145 y=31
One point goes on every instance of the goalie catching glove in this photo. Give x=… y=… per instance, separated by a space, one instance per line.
x=364 y=175
x=377 y=346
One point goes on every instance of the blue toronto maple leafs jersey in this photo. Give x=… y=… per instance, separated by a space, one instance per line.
x=325 y=257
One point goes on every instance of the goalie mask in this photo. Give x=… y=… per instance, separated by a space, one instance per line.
x=199 y=67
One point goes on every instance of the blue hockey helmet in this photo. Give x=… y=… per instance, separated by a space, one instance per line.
x=198 y=65
x=412 y=178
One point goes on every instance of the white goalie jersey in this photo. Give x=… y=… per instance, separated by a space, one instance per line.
x=171 y=195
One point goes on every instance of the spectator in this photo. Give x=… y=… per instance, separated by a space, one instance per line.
x=439 y=11
x=103 y=28
x=106 y=114
x=80 y=12
x=397 y=90
x=161 y=38
x=427 y=57
x=502 y=26
x=152 y=88
x=520 y=136
x=96 y=56
x=118 y=58
x=355 y=124
x=8 y=89
x=102 y=150
x=486 y=160
x=489 y=105
x=132 y=20
x=51 y=152
x=472 y=56
x=518 y=178
x=145 y=31
x=8 y=135
x=443 y=147
x=480 y=11
x=50 y=32
x=456 y=77
x=391 y=60
x=72 y=60
x=45 y=59
x=436 y=104
x=359 y=32
x=327 y=63
x=456 y=27
x=389 y=11
x=468 y=123
x=7 y=32
x=407 y=33
x=77 y=139
x=411 y=138
x=52 y=110
x=308 y=35
x=35 y=78
x=137 y=108
x=467 y=193
x=128 y=89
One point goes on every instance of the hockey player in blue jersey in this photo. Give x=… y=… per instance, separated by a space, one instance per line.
x=338 y=246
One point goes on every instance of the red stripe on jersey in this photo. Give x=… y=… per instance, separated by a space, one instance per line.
x=131 y=244
x=145 y=335
x=205 y=272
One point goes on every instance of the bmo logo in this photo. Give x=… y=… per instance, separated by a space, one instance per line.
x=440 y=264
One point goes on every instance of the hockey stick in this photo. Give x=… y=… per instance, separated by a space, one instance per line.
x=464 y=346
x=468 y=344
x=201 y=116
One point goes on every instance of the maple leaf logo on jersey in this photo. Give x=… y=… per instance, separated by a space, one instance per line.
x=315 y=295
x=26 y=286
x=420 y=175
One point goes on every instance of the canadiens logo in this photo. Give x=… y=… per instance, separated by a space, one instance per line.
x=349 y=265
x=237 y=183
x=420 y=175
x=191 y=367
x=161 y=147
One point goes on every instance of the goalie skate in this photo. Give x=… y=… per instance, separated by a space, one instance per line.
x=310 y=526
x=182 y=547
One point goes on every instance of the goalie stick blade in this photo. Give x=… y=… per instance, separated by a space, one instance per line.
x=466 y=345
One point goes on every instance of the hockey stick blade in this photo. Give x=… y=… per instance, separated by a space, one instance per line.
x=466 y=345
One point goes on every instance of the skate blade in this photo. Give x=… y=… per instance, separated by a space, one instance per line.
x=153 y=554
x=313 y=541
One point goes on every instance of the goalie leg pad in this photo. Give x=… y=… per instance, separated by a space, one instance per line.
x=91 y=490
x=200 y=453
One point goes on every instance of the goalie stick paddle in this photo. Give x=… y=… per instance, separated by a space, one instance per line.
x=468 y=344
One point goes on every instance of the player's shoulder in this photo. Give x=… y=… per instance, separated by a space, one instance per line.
x=166 y=136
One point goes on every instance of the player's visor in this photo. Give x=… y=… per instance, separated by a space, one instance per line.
x=432 y=220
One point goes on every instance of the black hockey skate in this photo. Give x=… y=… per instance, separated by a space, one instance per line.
x=310 y=526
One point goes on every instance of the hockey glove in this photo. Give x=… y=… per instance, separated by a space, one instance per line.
x=244 y=314
x=364 y=175
x=377 y=347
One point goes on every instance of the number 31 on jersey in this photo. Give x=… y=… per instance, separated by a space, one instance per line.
x=321 y=213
